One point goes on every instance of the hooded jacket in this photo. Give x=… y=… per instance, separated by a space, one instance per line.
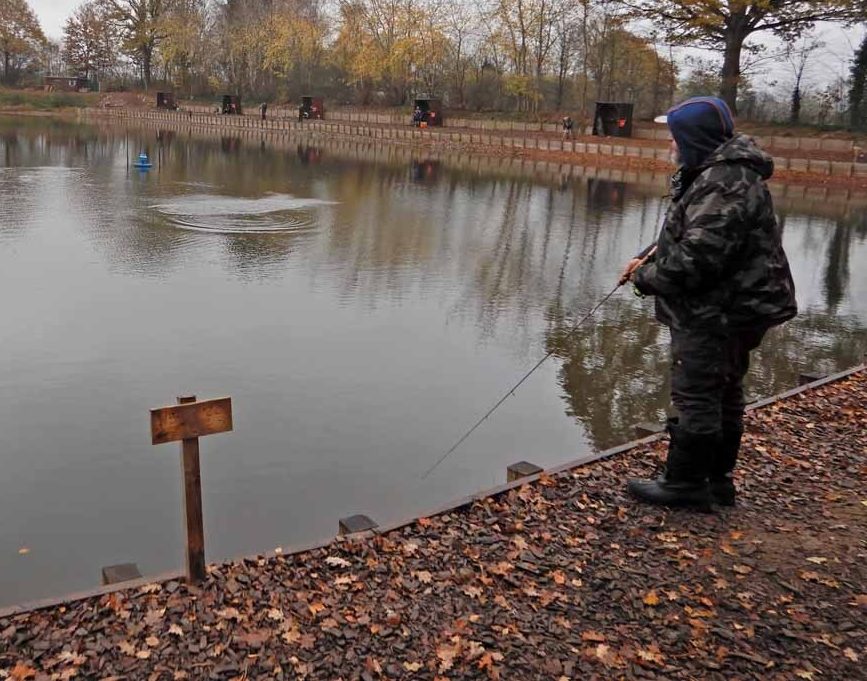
x=719 y=262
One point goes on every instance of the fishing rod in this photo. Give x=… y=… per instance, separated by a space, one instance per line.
x=624 y=278
x=517 y=385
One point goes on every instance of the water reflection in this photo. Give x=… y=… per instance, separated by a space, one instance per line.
x=361 y=303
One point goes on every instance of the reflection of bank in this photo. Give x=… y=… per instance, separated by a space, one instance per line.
x=605 y=195
x=309 y=155
x=230 y=145
x=425 y=170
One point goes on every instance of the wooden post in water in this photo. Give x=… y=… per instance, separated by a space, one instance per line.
x=186 y=422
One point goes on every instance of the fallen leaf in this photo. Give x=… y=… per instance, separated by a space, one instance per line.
x=69 y=657
x=175 y=630
x=502 y=568
x=275 y=614
x=291 y=636
x=316 y=608
x=473 y=591
x=447 y=654
x=143 y=654
x=371 y=664
x=850 y=654
x=337 y=561
x=412 y=666
x=21 y=672
x=126 y=648
x=818 y=560
x=152 y=641
x=742 y=569
x=424 y=576
x=229 y=614
x=651 y=654
x=651 y=598
x=558 y=577
x=860 y=600
x=593 y=636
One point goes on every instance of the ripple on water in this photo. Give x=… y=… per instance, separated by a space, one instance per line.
x=270 y=214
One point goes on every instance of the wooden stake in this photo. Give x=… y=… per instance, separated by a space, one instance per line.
x=193 y=505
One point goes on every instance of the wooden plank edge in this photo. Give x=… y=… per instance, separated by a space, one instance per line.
x=449 y=507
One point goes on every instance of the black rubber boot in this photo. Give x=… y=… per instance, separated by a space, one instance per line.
x=722 y=486
x=684 y=481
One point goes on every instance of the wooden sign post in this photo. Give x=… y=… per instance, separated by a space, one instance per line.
x=186 y=422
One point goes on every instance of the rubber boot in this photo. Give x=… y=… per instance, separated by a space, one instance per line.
x=722 y=486
x=683 y=483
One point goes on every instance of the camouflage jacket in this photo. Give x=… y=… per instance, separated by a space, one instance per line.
x=719 y=261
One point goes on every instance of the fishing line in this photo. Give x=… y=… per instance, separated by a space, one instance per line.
x=512 y=390
x=517 y=385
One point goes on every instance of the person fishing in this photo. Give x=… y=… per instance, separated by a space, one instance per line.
x=721 y=279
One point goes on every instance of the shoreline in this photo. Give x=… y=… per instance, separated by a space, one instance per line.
x=628 y=154
x=556 y=574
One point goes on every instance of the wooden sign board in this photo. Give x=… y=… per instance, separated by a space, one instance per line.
x=195 y=419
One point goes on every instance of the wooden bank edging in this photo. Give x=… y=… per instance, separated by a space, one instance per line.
x=453 y=505
x=605 y=147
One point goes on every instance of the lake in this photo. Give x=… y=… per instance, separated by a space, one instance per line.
x=362 y=306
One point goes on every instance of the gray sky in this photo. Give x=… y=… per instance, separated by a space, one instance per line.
x=52 y=14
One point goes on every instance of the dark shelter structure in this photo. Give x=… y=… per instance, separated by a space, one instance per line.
x=166 y=100
x=231 y=105
x=613 y=119
x=64 y=84
x=427 y=110
x=311 y=108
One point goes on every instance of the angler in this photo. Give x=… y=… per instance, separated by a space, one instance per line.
x=721 y=280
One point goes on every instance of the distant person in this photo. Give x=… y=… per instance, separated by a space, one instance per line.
x=721 y=280
x=263 y=109
x=417 y=115
x=567 y=127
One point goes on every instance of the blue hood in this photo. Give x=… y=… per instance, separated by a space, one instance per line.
x=700 y=126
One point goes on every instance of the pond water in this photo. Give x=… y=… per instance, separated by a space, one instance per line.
x=362 y=314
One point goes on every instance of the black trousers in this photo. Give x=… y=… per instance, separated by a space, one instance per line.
x=707 y=375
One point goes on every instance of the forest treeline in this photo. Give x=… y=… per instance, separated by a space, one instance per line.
x=491 y=55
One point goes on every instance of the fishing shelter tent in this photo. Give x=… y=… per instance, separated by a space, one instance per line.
x=231 y=105
x=166 y=100
x=613 y=119
x=430 y=111
x=311 y=108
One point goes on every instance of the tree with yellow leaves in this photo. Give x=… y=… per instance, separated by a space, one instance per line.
x=21 y=37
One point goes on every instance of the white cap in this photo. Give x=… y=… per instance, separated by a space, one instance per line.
x=661 y=119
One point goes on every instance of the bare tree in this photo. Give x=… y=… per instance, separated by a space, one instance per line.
x=798 y=55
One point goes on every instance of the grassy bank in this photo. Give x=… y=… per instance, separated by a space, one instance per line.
x=34 y=100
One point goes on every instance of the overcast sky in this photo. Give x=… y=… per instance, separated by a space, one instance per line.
x=833 y=61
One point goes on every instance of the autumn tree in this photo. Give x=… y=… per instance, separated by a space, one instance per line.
x=295 y=49
x=21 y=37
x=89 y=40
x=858 y=89
x=140 y=24
x=727 y=24
x=186 y=51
